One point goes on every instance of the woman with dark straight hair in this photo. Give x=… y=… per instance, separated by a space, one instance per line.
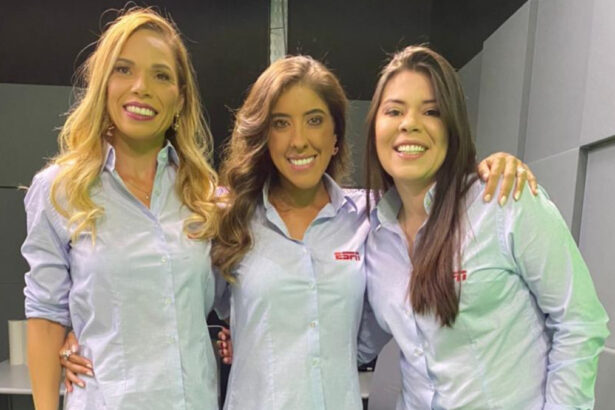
x=492 y=307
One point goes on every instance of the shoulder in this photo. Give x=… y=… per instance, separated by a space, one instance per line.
x=42 y=182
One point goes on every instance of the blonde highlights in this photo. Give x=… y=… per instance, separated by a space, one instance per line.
x=81 y=139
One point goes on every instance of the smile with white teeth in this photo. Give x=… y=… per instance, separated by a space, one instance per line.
x=140 y=110
x=301 y=161
x=410 y=149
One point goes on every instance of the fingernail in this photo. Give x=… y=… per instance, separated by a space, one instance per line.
x=89 y=373
x=81 y=384
x=74 y=348
x=503 y=200
x=487 y=198
x=88 y=364
x=517 y=196
x=485 y=176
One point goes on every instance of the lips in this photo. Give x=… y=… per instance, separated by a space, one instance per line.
x=140 y=111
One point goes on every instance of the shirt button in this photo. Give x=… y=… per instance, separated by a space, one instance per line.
x=312 y=285
x=156 y=192
x=313 y=324
x=315 y=362
x=167 y=301
x=418 y=351
x=163 y=259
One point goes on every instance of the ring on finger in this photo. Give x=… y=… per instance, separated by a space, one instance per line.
x=65 y=354
x=520 y=170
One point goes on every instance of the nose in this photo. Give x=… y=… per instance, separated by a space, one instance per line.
x=409 y=122
x=298 y=138
x=140 y=85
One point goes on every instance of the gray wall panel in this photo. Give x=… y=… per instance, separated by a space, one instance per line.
x=470 y=78
x=598 y=118
x=503 y=77
x=558 y=175
x=597 y=226
x=556 y=97
x=11 y=308
x=355 y=134
x=13 y=223
x=605 y=394
x=29 y=115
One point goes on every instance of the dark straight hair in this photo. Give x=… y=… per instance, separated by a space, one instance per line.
x=432 y=285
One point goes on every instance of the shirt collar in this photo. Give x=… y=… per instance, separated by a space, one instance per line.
x=336 y=194
x=166 y=154
x=388 y=207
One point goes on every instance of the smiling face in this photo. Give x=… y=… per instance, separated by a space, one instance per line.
x=411 y=138
x=143 y=93
x=301 y=138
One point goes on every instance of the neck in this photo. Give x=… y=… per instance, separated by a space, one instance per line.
x=413 y=201
x=136 y=160
x=294 y=197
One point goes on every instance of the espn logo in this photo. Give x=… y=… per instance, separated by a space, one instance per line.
x=460 y=276
x=347 y=256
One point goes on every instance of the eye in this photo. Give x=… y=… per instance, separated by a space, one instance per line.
x=122 y=69
x=315 y=121
x=434 y=112
x=279 y=123
x=163 y=76
x=392 y=112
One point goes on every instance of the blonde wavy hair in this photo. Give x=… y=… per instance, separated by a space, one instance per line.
x=81 y=139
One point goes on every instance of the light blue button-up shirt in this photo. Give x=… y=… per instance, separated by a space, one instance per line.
x=530 y=326
x=137 y=298
x=296 y=309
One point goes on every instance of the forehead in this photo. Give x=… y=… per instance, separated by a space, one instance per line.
x=299 y=98
x=408 y=85
x=148 y=47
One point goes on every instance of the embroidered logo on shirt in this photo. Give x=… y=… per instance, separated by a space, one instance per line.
x=347 y=256
x=460 y=276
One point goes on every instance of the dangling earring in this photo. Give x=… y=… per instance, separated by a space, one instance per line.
x=176 y=122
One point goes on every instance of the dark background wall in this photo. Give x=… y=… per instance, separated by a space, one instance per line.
x=354 y=37
x=42 y=42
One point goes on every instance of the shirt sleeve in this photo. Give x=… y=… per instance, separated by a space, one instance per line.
x=372 y=337
x=46 y=248
x=547 y=258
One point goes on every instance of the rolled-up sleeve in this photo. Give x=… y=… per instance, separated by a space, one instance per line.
x=46 y=248
x=537 y=238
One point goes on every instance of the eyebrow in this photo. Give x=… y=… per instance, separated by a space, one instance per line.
x=130 y=62
x=396 y=101
x=310 y=112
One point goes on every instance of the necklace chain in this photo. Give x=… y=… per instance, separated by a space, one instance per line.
x=146 y=193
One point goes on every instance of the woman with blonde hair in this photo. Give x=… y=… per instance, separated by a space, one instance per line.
x=119 y=230
x=492 y=307
x=291 y=245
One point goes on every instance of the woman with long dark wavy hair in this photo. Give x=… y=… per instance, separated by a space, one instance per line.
x=492 y=307
x=291 y=245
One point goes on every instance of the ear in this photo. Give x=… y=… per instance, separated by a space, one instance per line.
x=335 y=147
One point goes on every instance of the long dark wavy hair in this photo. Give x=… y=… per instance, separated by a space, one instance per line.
x=432 y=286
x=246 y=163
